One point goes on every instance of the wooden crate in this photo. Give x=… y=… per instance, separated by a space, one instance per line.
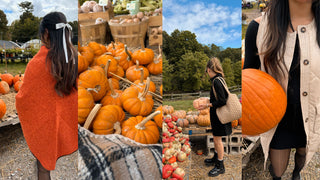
x=107 y=15
x=129 y=34
x=93 y=32
x=155 y=39
x=155 y=21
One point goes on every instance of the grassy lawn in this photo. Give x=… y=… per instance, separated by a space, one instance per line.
x=244 y=30
x=180 y=104
x=13 y=68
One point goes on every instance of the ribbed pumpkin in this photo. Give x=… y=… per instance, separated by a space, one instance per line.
x=88 y=53
x=204 y=111
x=143 y=55
x=141 y=129
x=4 y=87
x=167 y=109
x=7 y=78
x=192 y=118
x=119 y=72
x=17 y=85
x=182 y=122
x=96 y=48
x=103 y=48
x=158 y=118
x=200 y=101
x=3 y=108
x=83 y=64
x=142 y=83
x=203 y=120
x=181 y=114
x=112 y=97
x=155 y=67
x=136 y=102
x=108 y=119
x=264 y=102
x=96 y=81
x=133 y=73
x=85 y=104
x=124 y=57
x=18 y=77
x=114 y=46
x=103 y=62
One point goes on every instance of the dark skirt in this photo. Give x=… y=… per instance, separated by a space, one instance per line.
x=219 y=129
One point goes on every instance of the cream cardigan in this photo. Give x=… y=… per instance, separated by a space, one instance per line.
x=309 y=85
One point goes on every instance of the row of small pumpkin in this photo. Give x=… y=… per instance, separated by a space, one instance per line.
x=100 y=68
x=7 y=80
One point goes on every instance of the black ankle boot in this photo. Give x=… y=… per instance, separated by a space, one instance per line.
x=211 y=161
x=218 y=169
x=296 y=176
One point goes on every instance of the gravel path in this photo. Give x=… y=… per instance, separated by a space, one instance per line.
x=17 y=162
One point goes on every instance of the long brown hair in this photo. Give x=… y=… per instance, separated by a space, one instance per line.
x=64 y=73
x=278 y=22
x=215 y=65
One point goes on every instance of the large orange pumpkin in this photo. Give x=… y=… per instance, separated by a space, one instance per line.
x=112 y=97
x=8 y=78
x=4 y=87
x=136 y=102
x=203 y=120
x=108 y=119
x=85 y=104
x=134 y=73
x=3 y=108
x=96 y=81
x=141 y=129
x=264 y=102
x=124 y=57
x=158 y=118
x=144 y=56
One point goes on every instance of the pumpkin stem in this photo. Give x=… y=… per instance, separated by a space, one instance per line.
x=113 y=47
x=141 y=77
x=145 y=120
x=95 y=89
x=145 y=91
x=127 y=52
x=137 y=65
x=117 y=128
x=106 y=68
x=113 y=93
x=91 y=115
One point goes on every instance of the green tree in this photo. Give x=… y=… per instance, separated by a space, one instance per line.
x=228 y=72
x=26 y=8
x=167 y=74
x=237 y=72
x=74 y=26
x=3 y=25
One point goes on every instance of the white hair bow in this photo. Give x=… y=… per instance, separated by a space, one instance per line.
x=64 y=25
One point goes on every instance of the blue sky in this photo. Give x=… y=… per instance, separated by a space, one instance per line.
x=213 y=21
x=41 y=8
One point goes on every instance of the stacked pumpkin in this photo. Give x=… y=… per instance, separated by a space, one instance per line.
x=100 y=68
x=7 y=80
x=192 y=117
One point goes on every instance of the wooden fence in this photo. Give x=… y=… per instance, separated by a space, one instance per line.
x=190 y=96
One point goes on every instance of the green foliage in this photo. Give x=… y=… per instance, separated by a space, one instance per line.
x=26 y=30
x=237 y=72
x=3 y=25
x=228 y=72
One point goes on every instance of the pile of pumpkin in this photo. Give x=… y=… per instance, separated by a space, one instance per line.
x=100 y=68
x=176 y=147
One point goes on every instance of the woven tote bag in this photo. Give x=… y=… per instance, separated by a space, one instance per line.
x=232 y=110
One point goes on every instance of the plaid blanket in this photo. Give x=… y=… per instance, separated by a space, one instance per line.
x=117 y=157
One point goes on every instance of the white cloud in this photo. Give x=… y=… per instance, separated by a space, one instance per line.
x=211 y=23
x=41 y=8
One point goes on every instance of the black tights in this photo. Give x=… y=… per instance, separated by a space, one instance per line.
x=43 y=174
x=280 y=158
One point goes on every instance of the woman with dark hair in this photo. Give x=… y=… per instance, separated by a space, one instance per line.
x=47 y=101
x=285 y=43
x=218 y=98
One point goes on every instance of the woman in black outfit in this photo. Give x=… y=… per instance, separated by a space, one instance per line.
x=215 y=73
x=284 y=17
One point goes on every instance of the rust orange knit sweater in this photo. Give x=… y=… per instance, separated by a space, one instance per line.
x=49 y=122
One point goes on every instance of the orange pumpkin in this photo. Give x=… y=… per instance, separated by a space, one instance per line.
x=158 y=118
x=119 y=72
x=83 y=64
x=161 y=90
x=18 y=77
x=134 y=73
x=88 y=53
x=3 y=108
x=264 y=102
x=17 y=85
x=240 y=121
x=141 y=83
x=108 y=119
x=96 y=48
x=7 y=78
x=204 y=111
x=124 y=57
x=192 y=118
x=136 y=102
x=182 y=122
x=155 y=67
x=144 y=56
x=103 y=48
x=203 y=120
x=108 y=63
x=4 y=87
x=95 y=81
x=112 y=97
x=167 y=109
x=114 y=46
x=234 y=123
x=200 y=101
x=141 y=129
x=181 y=114
x=85 y=104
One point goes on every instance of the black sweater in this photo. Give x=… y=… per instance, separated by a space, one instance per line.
x=222 y=94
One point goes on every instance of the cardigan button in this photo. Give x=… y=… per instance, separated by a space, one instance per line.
x=306 y=120
x=303 y=29
x=304 y=93
x=306 y=62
